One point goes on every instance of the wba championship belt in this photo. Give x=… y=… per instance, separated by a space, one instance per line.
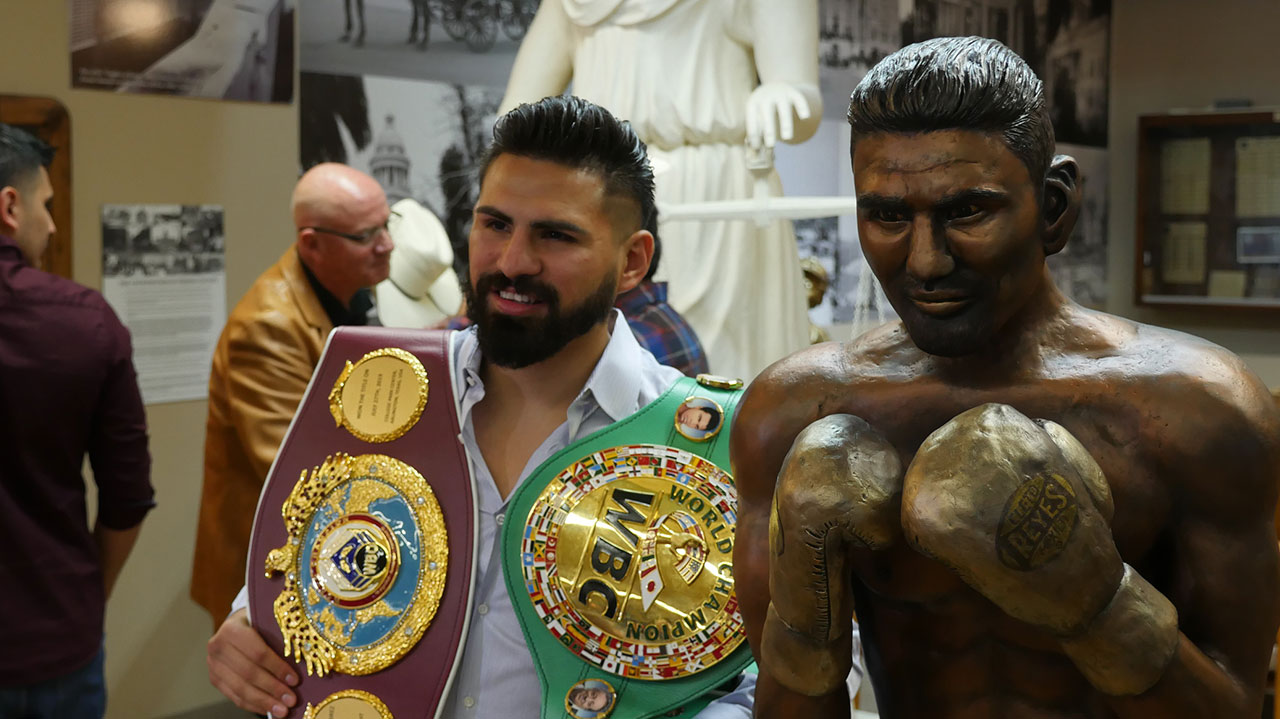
x=620 y=567
x=361 y=558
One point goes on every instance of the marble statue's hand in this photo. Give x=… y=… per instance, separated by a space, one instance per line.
x=772 y=110
x=839 y=489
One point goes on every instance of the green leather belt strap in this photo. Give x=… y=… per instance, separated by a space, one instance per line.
x=560 y=668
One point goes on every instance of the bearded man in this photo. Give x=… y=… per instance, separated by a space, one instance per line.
x=558 y=232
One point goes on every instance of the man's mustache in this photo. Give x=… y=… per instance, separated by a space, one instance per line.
x=524 y=284
x=960 y=281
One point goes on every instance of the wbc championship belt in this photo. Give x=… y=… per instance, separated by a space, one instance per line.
x=620 y=567
x=360 y=565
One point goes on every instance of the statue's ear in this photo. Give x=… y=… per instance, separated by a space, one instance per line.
x=1061 y=202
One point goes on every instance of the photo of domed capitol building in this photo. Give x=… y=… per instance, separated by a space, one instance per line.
x=361 y=121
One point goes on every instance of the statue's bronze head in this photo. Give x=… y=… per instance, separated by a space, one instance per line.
x=957 y=83
x=960 y=198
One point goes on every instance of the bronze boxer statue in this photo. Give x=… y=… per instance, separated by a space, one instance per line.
x=1034 y=509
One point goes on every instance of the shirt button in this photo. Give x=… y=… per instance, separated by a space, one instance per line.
x=468 y=702
x=500 y=519
x=483 y=609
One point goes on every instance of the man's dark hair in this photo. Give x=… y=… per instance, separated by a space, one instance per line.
x=713 y=416
x=21 y=155
x=576 y=133
x=958 y=83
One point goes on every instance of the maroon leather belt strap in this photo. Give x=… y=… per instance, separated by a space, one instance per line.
x=361 y=561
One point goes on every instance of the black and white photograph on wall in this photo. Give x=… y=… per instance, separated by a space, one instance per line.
x=471 y=42
x=164 y=274
x=222 y=49
x=853 y=297
x=160 y=240
x=853 y=35
x=1064 y=41
x=417 y=139
x=1080 y=269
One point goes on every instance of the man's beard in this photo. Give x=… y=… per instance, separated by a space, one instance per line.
x=516 y=342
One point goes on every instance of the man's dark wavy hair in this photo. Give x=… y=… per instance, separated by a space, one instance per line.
x=21 y=155
x=576 y=133
x=958 y=83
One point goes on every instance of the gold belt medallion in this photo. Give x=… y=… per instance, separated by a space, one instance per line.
x=349 y=704
x=364 y=565
x=381 y=396
x=628 y=558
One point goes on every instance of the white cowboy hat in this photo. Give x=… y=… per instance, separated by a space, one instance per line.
x=422 y=289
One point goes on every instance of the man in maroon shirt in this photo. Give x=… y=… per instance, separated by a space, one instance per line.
x=67 y=390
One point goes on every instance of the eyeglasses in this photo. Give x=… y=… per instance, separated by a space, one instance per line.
x=362 y=238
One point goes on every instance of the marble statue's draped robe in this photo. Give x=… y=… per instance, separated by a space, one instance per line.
x=681 y=72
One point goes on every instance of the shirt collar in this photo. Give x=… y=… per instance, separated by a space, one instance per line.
x=615 y=382
x=614 y=385
x=339 y=314
x=636 y=299
x=468 y=362
x=9 y=246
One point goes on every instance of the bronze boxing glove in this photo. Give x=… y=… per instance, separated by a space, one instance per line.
x=1020 y=511
x=840 y=487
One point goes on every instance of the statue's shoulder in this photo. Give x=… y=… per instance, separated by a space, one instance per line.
x=820 y=380
x=1180 y=374
x=1179 y=359
x=869 y=358
x=885 y=352
x=1207 y=421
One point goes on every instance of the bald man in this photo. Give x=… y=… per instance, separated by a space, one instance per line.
x=267 y=352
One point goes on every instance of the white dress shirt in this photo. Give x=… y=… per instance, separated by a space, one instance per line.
x=496 y=678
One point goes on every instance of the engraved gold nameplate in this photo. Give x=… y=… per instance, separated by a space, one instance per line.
x=349 y=704
x=364 y=565
x=627 y=556
x=1037 y=523
x=381 y=396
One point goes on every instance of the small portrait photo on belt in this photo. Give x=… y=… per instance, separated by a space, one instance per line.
x=699 y=418
x=590 y=699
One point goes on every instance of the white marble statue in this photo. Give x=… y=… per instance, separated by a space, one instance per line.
x=699 y=80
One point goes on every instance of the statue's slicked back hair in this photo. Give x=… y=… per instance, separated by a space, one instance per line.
x=21 y=154
x=576 y=133
x=958 y=83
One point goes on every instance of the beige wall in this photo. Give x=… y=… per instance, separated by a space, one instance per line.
x=166 y=150
x=1185 y=54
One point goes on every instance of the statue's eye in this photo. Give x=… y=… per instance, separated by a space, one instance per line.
x=888 y=217
x=966 y=211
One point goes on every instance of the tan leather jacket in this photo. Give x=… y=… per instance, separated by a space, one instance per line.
x=264 y=359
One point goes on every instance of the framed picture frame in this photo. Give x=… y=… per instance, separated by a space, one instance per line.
x=1208 y=220
x=47 y=119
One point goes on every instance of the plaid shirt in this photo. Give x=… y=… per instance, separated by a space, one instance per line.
x=660 y=329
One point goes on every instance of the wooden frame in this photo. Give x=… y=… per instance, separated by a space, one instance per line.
x=1190 y=248
x=47 y=119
